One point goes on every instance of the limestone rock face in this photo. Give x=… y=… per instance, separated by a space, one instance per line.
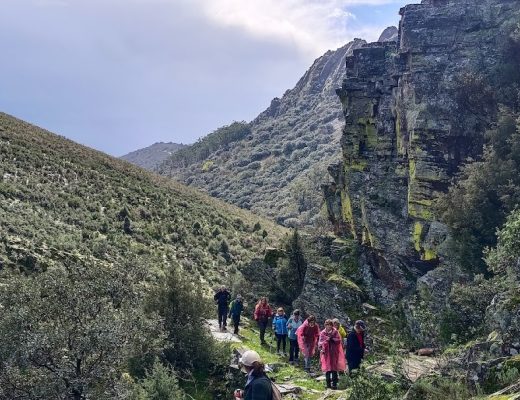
x=405 y=137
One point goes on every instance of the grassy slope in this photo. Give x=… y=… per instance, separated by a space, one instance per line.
x=59 y=197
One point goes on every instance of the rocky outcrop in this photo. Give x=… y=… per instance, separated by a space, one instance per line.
x=390 y=34
x=405 y=135
x=327 y=295
x=504 y=316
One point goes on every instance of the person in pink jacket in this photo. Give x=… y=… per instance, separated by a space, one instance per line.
x=307 y=335
x=332 y=356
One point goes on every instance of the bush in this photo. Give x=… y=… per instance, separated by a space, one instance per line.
x=439 y=389
x=160 y=383
x=466 y=311
x=365 y=386
x=68 y=332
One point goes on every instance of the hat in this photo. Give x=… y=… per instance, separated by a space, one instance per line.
x=249 y=358
x=361 y=324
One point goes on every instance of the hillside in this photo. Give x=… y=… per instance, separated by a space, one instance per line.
x=103 y=263
x=150 y=157
x=277 y=167
x=56 y=196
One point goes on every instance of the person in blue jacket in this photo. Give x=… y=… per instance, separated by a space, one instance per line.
x=292 y=325
x=280 y=330
x=235 y=312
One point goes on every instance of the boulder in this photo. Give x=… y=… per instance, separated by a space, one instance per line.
x=328 y=295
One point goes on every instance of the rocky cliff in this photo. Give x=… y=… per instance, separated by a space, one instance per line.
x=409 y=127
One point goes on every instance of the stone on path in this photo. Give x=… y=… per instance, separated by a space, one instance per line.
x=226 y=336
x=413 y=367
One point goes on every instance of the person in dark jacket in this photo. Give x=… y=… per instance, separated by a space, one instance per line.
x=235 y=312
x=258 y=385
x=222 y=298
x=356 y=346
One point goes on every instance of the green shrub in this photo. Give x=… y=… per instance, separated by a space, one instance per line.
x=439 y=388
x=160 y=383
x=365 y=386
x=465 y=315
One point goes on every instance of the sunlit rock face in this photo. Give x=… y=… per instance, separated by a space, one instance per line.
x=408 y=130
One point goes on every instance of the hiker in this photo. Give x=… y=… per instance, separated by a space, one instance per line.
x=280 y=330
x=331 y=354
x=258 y=385
x=342 y=332
x=308 y=334
x=292 y=325
x=222 y=298
x=235 y=312
x=356 y=346
x=262 y=314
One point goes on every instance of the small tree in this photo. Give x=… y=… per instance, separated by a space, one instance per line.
x=160 y=383
x=292 y=274
x=67 y=333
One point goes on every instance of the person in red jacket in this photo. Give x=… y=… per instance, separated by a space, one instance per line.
x=262 y=314
x=331 y=354
x=307 y=335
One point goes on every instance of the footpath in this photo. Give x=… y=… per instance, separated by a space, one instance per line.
x=295 y=383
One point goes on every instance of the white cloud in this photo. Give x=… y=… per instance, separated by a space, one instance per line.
x=314 y=26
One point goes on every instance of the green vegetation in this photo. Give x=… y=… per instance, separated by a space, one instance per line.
x=487 y=190
x=104 y=269
x=467 y=304
x=202 y=149
x=292 y=272
x=439 y=388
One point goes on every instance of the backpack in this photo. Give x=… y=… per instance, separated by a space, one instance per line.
x=276 y=392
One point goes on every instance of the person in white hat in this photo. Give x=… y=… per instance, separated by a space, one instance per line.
x=258 y=385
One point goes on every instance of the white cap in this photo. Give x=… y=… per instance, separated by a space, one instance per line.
x=249 y=358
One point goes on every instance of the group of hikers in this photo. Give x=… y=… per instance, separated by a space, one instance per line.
x=336 y=348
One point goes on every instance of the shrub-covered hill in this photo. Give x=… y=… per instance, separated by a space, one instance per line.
x=59 y=197
x=150 y=157
x=103 y=269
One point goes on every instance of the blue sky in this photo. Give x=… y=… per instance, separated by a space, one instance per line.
x=119 y=75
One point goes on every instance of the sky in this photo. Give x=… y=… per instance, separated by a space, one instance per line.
x=119 y=75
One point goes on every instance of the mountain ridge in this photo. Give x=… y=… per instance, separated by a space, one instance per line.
x=289 y=147
x=151 y=156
